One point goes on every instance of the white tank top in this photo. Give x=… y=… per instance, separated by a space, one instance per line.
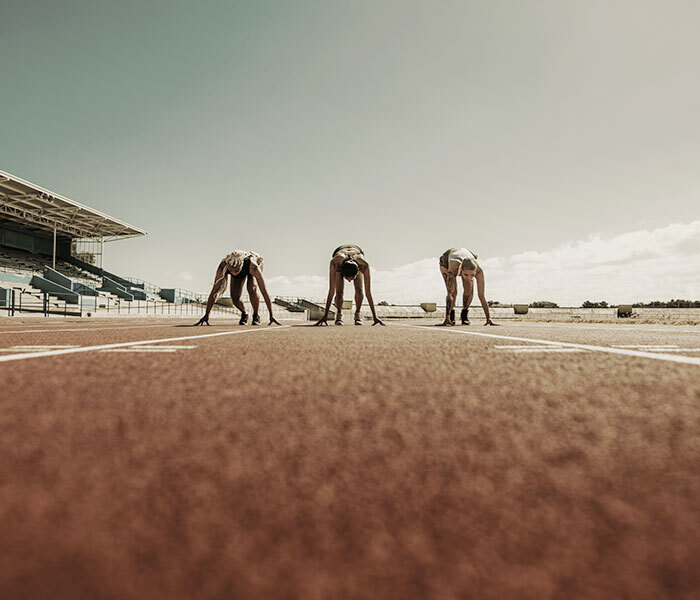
x=460 y=254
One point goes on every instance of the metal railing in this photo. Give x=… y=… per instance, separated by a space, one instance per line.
x=22 y=300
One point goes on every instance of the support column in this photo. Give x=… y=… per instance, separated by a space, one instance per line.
x=54 y=247
x=102 y=252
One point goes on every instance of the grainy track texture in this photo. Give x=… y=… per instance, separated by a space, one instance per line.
x=347 y=463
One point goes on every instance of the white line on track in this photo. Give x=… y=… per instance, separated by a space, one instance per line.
x=150 y=349
x=62 y=329
x=688 y=360
x=525 y=349
x=137 y=349
x=12 y=357
x=646 y=346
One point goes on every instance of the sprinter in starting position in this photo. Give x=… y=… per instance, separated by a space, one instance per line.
x=347 y=263
x=242 y=266
x=460 y=262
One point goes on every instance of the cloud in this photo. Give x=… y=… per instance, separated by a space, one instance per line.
x=185 y=275
x=646 y=264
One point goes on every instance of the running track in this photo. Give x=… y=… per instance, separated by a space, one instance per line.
x=147 y=460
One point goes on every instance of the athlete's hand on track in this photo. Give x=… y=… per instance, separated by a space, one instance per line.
x=322 y=321
x=203 y=321
x=378 y=322
x=490 y=322
x=273 y=320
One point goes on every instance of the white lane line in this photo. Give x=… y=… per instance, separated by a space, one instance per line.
x=688 y=360
x=645 y=346
x=34 y=348
x=159 y=347
x=643 y=327
x=659 y=348
x=529 y=346
x=552 y=349
x=135 y=350
x=12 y=357
x=149 y=349
x=61 y=329
x=44 y=346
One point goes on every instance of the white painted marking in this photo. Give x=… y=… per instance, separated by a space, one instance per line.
x=659 y=348
x=46 y=347
x=135 y=350
x=510 y=346
x=688 y=360
x=34 y=348
x=61 y=329
x=12 y=357
x=643 y=346
x=149 y=349
x=168 y=347
x=531 y=350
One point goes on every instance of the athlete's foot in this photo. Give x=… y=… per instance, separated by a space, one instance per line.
x=244 y=319
x=256 y=319
x=465 y=316
x=466 y=322
x=358 y=320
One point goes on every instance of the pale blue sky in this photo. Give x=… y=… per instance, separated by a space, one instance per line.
x=407 y=127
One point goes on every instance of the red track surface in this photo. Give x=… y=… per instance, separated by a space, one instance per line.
x=347 y=463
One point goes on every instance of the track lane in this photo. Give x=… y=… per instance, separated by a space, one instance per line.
x=329 y=461
x=658 y=355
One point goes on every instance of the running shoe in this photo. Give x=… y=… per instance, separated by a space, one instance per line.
x=256 y=319
x=244 y=319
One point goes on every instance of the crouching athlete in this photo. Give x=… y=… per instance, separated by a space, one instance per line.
x=242 y=266
x=460 y=262
x=347 y=263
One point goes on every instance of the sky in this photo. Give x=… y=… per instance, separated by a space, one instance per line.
x=559 y=140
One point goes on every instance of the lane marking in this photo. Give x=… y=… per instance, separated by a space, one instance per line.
x=44 y=346
x=513 y=346
x=61 y=329
x=530 y=349
x=135 y=350
x=644 y=346
x=35 y=348
x=688 y=360
x=13 y=357
x=149 y=349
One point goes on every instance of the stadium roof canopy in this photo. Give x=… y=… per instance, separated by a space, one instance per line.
x=43 y=211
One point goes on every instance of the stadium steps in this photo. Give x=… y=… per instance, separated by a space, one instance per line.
x=290 y=305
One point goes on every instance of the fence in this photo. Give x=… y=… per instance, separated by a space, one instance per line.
x=20 y=300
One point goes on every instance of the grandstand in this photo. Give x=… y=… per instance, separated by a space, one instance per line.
x=51 y=251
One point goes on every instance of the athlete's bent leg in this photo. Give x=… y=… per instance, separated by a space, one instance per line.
x=254 y=299
x=339 y=291
x=236 y=290
x=359 y=298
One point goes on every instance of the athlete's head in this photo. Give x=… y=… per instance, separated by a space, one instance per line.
x=468 y=268
x=349 y=269
x=234 y=263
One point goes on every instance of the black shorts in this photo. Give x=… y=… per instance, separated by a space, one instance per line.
x=245 y=271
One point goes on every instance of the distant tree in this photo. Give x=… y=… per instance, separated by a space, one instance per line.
x=493 y=303
x=383 y=303
x=589 y=304
x=668 y=304
x=543 y=304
